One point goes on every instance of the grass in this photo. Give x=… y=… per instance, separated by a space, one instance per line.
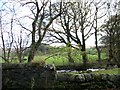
x=110 y=71
x=62 y=60
x=57 y=60
x=93 y=58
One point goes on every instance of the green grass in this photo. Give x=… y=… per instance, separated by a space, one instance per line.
x=110 y=71
x=93 y=58
x=62 y=59
x=57 y=60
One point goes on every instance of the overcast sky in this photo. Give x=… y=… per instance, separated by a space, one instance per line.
x=25 y=11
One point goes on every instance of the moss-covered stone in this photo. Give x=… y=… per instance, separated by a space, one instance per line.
x=79 y=78
x=104 y=77
x=88 y=77
x=97 y=77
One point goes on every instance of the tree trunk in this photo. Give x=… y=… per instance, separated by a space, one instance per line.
x=20 y=59
x=33 y=50
x=84 y=56
x=70 y=59
x=110 y=50
x=31 y=54
x=98 y=50
x=96 y=38
x=99 y=54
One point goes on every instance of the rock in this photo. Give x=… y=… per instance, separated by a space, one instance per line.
x=88 y=77
x=61 y=77
x=117 y=82
x=112 y=77
x=115 y=66
x=72 y=78
x=96 y=77
x=104 y=77
x=79 y=78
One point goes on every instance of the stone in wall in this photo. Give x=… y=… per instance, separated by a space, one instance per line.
x=79 y=78
x=88 y=77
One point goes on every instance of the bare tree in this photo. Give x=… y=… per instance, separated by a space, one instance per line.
x=83 y=23
x=6 y=44
x=63 y=35
x=98 y=7
x=21 y=45
x=75 y=20
x=43 y=18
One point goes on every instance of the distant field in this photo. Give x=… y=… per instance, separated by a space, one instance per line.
x=60 y=59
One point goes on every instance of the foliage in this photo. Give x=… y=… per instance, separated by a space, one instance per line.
x=112 y=37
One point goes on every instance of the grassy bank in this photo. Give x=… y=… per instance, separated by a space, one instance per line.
x=109 y=71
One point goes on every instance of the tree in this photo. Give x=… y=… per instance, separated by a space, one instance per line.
x=111 y=37
x=111 y=28
x=20 y=45
x=83 y=23
x=6 y=42
x=75 y=21
x=98 y=6
x=43 y=18
x=63 y=35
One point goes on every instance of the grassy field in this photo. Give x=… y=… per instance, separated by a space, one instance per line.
x=61 y=59
x=110 y=71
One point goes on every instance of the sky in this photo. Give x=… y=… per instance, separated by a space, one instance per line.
x=24 y=11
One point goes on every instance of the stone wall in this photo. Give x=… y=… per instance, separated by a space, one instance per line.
x=90 y=81
x=87 y=77
x=26 y=76
x=34 y=76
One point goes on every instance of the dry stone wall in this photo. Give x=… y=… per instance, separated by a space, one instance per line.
x=32 y=76
x=26 y=76
x=87 y=77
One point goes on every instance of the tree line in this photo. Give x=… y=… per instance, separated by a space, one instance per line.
x=71 y=23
